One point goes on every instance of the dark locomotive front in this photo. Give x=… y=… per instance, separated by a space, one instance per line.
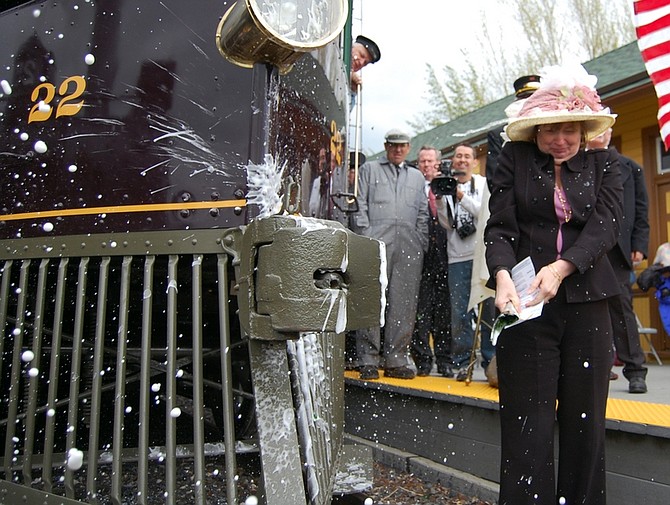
x=129 y=247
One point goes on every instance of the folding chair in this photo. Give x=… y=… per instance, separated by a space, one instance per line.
x=646 y=333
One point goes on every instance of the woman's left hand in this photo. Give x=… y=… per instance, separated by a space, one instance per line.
x=548 y=280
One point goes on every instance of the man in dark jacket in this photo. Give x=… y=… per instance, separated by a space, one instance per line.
x=433 y=316
x=631 y=248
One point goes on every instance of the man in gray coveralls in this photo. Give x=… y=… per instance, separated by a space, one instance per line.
x=394 y=209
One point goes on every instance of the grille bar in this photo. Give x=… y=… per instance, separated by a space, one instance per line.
x=145 y=377
x=75 y=370
x=171 y=382
x=198 y=408
x=37 y=338
x=120 y=391
x=13 y=404
x=227 y=379
x=96 y=385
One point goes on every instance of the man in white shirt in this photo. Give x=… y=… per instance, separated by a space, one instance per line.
x=458 y=214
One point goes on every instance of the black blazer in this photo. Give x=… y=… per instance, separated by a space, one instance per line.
x=523 y=220
x=634 y=230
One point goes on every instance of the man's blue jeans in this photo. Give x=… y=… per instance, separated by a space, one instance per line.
x=462 y=332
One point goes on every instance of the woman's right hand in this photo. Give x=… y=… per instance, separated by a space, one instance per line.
x=506 y=293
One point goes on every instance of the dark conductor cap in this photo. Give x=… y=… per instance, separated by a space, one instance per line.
x=352 y=159
x=525 y=86
x=371 y=46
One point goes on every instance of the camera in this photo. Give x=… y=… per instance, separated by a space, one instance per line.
x=445 y=183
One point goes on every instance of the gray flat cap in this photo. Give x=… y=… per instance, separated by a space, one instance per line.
x=396 y=136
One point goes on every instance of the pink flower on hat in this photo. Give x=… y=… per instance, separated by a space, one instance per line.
x=574 y=92
x=577 y=99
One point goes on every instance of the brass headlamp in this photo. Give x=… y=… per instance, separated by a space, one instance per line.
x=278 y=31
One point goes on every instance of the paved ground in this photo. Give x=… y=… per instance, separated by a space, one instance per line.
x=658 y=383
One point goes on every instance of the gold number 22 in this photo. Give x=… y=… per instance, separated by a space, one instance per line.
x=65 y=107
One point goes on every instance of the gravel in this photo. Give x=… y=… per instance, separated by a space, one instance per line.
x=392 y=487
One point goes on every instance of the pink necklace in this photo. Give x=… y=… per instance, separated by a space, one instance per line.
x=567 y=210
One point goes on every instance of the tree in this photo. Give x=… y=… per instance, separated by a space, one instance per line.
x=554 y=30
x=603 y=28
x=471 y=93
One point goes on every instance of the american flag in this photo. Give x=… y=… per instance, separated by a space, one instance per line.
x=652 y=25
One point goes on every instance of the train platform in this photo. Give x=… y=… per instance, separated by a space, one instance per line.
x=651 y=408
x=448 y=431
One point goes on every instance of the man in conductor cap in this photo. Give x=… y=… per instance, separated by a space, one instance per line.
x=393 y=208
x=524 y=86
x=363 y=51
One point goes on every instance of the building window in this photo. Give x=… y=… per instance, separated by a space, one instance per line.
x=663 y=155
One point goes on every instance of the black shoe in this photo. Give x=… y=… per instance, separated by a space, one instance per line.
x=368 y=372
x=423 y=368
x=462 y=375
x=445 y=371
x=637 y=385
x=400 y=372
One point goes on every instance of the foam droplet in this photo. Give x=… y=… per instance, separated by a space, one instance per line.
x=6 y=88
x=75 y=459
x=89 y=59
x=40 y=147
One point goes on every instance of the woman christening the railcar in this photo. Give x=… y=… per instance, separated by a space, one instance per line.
x=561 y=206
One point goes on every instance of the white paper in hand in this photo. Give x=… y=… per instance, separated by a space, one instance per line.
x=523 y=274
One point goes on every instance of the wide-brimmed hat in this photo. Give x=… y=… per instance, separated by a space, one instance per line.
x=566 y=94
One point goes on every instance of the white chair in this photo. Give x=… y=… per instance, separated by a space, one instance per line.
x=646 y=333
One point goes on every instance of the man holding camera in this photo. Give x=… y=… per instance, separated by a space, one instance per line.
x=457 y=213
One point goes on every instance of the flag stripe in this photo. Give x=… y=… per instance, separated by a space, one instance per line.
x=660 y=76
x=659 y=50
x=649 y=5
x=664 y=100
x=653 y=38
x=652 y=26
